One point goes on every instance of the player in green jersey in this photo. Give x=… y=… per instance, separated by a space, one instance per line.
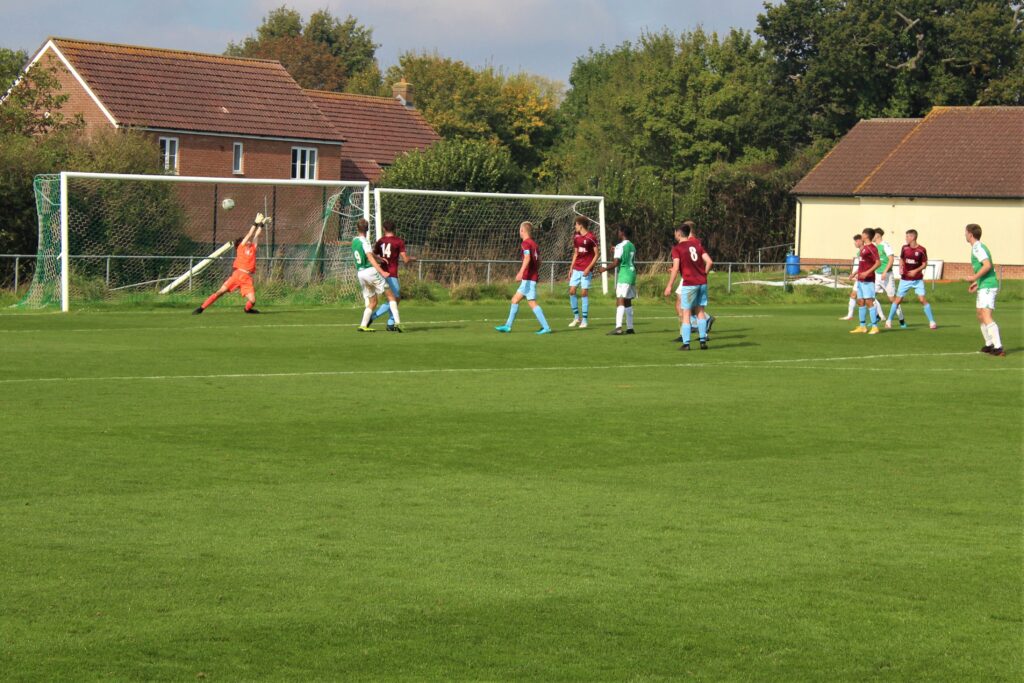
x=986 y=284
x=372 y=277
x=625 y=282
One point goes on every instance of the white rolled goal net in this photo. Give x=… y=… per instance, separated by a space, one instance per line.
x=108 y=236
x=473 y=237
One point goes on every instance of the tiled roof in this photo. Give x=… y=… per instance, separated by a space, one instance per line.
x=189 y=91
x=971 y=152
x=377 y=131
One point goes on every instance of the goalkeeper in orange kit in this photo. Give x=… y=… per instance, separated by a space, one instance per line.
x=243 y=268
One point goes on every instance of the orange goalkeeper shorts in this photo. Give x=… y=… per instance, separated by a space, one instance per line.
x=242 y=282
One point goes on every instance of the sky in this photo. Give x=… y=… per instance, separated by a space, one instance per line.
x=539 y=36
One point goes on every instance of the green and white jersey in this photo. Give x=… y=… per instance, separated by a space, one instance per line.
x=979 y=252
x=885 y=254
x=625 y=252
x=360 y=248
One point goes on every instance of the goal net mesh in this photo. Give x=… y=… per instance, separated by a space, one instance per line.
x=132 y=237
x=474 y=238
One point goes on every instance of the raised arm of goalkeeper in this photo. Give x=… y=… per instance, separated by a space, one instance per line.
x=256 y=229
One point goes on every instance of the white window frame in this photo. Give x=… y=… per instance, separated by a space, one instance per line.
x=301 y=158
x=238 y=158
x=165 y=156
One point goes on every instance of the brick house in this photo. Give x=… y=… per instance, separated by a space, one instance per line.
x=220 y=116
x=957 y=165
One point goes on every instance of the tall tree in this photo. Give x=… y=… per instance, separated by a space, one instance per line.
x=11 y=63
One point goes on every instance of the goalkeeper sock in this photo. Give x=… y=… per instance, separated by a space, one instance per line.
x=620 y=311
x=393 y=307
x=367 y=313
x=702 y=328
x=684 y=332
x=381 y=310
x=249 y=305
x=586 y=307
x=512 y=311
x=573 y=306
x=537 y=311
x=629 y=317
x=209 y=301
x=928 y=313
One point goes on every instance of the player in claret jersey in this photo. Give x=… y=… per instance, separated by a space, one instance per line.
x=884 y=283
x=865 y=278
x=693 y=263
x=584 y=256
x=527 y=278
x=986 y=284
x=858 y=242
x=388 y=249
x=242 y=269
x=913 y=259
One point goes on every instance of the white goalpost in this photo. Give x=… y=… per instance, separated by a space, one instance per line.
x=474 y=237
x=104 y=234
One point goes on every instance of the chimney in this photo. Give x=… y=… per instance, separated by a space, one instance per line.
x=403 y=93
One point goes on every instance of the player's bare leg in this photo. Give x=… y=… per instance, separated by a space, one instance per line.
x=210 y=299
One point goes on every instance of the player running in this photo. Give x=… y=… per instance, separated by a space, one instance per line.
x=388 y=249
x=625 y=282
x=527 y=279
x=884 y=278
x=242 y=269
x=913 y=259
x=986 y=284
x=692 y=263
x=372 y=277
x=858 y=241
x=865 y=277
x=584 y=257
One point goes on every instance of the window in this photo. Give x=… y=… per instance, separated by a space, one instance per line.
x=304 y=163
x=236 y=159
x=169 y=154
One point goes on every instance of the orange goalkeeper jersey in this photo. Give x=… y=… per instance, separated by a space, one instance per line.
x=245 y=258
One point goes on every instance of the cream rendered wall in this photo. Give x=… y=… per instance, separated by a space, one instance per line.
x=828 y=223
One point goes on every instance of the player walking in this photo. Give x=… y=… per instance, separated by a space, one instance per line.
x=884 y=278
x=584 y=256
x=372 y=278
x=625 y=282
x=858 y=241
x=242 y=269
x=692 y=263
x=913 y=259
x=866 y=267
x=388 y=249
x=986 y=284
x=693 y=312
x=527 y=279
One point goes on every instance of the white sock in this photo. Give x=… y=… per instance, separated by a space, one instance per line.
x=878 y=311
x=629 y=317
x=849 y=309
x=393 y=306
x=367 y=312
x=899 y=313
x=984 y=335
x=993 y=334
x=619 y=312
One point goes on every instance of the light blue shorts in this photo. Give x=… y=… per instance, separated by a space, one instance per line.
x=693 y=295
x=528 y=288
x=578 y=279
x=865 y=290
x=393 y=286
x=907 y=285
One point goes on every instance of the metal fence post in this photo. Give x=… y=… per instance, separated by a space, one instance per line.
x=488 y=272
x=552 y=276
x=17 y=264
x=419 y=270
x=729 y=287
x=108 y=272
x=190 y=273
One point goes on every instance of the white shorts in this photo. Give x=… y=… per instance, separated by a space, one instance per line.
x=371 y=282
x=884 y=283
x=624 y=291
x=987 y=298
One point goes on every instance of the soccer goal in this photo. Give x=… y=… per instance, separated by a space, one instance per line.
x=461 y=237
x=104 y=236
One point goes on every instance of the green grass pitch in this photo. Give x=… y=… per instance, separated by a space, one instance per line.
x=278 y=497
